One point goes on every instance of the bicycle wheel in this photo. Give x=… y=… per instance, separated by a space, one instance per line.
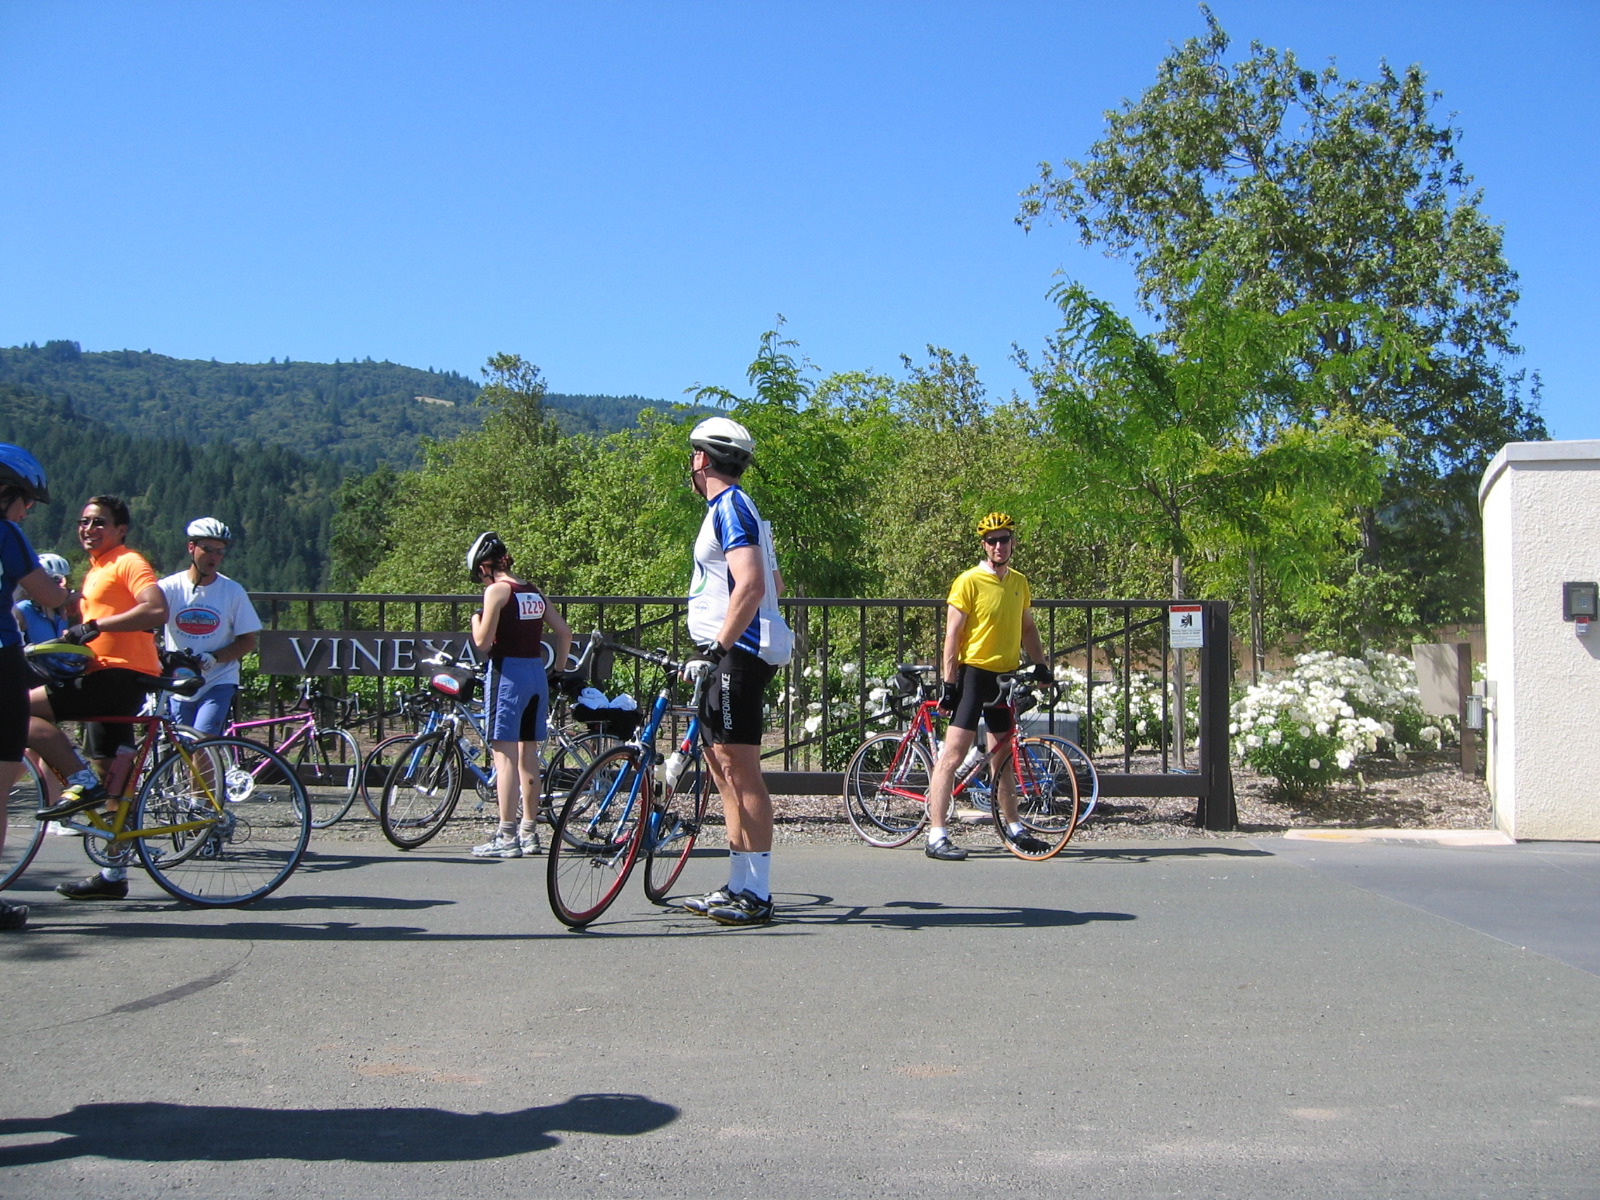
x=675 y=821
x=1047 y=802
x=23 y=834
x=886 y=790
x=105 y=853
x=570 y=760
x=597 y=836
x=214 y=850
x=327 y=763
x=1083 y=769
x=375 y=769
x=421 y=791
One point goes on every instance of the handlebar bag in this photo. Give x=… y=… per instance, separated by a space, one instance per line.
x=457 y=683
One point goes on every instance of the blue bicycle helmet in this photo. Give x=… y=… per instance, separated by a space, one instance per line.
x=58 y=662
x=21 y=470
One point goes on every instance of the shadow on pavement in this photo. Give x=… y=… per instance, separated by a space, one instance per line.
x=913 y=915
x=1089 y=852
x=152 y=1132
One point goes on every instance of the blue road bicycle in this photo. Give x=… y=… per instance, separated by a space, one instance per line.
x=627 y=801
x=427 y=771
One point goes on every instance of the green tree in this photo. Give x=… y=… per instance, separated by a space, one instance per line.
x=1212 y=441
x=1314 y=189
x=513 y=475
x=362 y=529
x=806 y=480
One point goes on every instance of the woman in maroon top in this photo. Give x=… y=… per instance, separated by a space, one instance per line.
x=509 y=632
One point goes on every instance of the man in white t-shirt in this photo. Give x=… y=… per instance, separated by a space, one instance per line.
x=209 y=615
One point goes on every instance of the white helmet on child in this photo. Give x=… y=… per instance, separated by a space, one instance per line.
x=54 y=564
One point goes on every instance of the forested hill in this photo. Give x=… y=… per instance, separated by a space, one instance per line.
x=278 y=502
x=356 y=413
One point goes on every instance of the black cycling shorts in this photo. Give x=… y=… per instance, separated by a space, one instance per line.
x=731 y=707
x=980 y=690
x=14 y=679
x=109 y=692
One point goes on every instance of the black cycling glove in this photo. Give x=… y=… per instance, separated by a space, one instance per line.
x=80 y=635
x=1042 y=674
x=949 y=697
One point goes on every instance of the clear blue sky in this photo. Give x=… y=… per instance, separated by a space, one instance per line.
x=627 y=194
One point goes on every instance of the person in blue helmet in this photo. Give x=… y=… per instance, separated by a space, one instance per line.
x=22 y=485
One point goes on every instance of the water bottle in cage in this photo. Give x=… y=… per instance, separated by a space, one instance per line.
x=672 y=769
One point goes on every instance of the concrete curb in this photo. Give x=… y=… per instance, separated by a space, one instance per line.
x=1444 y=837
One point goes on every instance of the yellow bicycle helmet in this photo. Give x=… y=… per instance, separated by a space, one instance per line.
x=995 y=521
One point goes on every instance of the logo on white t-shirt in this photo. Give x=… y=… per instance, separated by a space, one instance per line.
x=197 y=622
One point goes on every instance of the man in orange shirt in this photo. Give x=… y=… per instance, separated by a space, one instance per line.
x=121 y=604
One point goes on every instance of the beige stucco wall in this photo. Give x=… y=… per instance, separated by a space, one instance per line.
x=1541 y=527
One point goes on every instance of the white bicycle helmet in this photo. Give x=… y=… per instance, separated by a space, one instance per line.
x=209 y=527
x=727 y=442
x=54 y=564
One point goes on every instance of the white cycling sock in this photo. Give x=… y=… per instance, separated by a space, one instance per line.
x=758 y=870
x=738 y=871
x=937 y=833
x=113 y=874
x=1014 y=828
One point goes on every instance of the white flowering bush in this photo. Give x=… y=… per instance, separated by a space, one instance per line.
x=1144 y=726
x=842 y=723
x=1310 y=726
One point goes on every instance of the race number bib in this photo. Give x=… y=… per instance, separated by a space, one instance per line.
x=530 y=606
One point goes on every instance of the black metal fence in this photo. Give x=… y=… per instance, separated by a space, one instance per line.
x=1154 y=717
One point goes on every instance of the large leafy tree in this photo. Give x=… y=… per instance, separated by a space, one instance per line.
x=1315 y=189
x=514 y=475
x=806 y=480
x=1212 y=440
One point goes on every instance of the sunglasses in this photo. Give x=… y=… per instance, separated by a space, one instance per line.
x=91 y=522
x=1000 y=539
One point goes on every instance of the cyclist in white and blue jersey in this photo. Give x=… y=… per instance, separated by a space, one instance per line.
x=742 y=641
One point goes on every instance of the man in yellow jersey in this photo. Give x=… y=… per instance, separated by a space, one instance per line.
x=988 y=623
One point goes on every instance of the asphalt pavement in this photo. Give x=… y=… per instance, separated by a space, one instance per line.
x=1230 y=1017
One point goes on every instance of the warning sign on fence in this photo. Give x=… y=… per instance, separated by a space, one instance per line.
x=1185 y=629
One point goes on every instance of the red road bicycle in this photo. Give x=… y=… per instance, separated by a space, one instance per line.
x=886 y=783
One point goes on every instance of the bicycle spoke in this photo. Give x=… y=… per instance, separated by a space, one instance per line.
x=1047 y=802
x=886 y=789
x=204 y=847
x=675 y=820
x=421 y=791
x=24 y=835
x=327 y=762
x=597 y=837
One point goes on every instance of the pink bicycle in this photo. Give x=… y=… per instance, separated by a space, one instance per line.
x=325 y=755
